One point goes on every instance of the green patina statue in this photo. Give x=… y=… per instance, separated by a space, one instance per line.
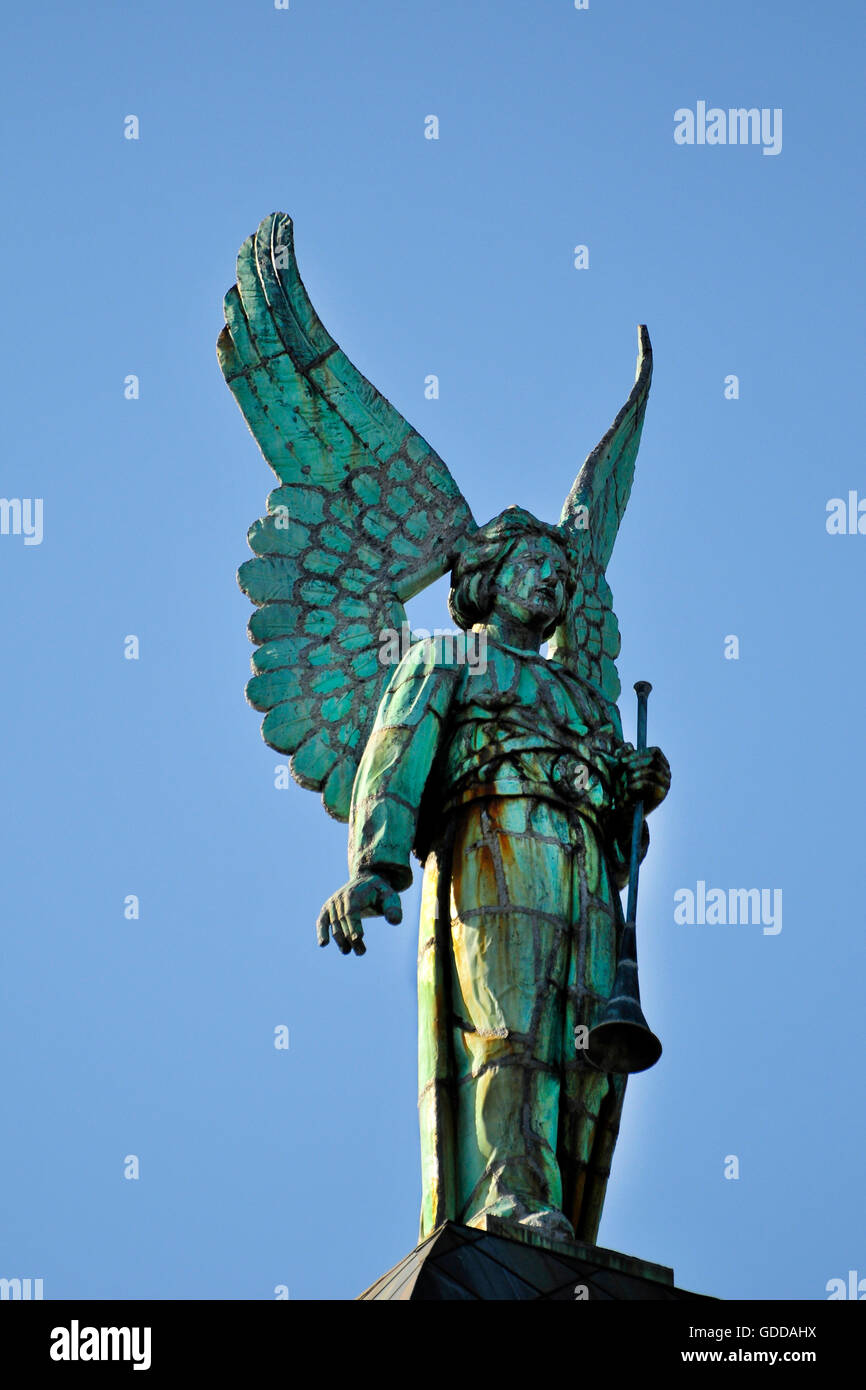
x=503 y=771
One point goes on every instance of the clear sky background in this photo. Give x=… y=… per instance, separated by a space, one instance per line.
x=154 y=1037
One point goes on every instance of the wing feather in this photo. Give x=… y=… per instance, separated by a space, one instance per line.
x=589 y=640
x=365 y=516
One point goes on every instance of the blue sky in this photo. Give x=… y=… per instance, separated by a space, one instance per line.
x=154 y=1036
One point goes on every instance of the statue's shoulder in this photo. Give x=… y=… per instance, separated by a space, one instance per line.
x=584 y=690
x=442 y=650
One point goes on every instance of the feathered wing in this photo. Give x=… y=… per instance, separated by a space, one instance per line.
x=365 y=516
x=588 y=641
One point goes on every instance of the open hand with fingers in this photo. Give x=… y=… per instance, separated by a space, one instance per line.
x=368 y=895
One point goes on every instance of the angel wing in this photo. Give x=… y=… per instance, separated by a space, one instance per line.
x=588 y=640
x=366 y=515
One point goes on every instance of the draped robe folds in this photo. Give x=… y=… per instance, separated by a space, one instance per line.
x=503 y=778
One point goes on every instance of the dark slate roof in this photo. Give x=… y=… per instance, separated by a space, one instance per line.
x=460 y=1262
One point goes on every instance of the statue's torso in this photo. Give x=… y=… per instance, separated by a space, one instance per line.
x=523 y=725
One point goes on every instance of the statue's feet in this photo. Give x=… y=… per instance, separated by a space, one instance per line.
x=546 y=1222
x=550 y=1224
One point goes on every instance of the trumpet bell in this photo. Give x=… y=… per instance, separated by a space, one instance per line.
x=622 y=1040
x=623 y=1046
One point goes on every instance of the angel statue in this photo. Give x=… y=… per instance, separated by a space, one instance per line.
x=508 y=778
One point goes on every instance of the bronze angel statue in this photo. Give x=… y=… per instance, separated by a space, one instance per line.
x=508 y=779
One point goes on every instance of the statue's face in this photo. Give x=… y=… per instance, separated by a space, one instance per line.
x=531 y=584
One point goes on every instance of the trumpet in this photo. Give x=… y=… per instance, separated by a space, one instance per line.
x=622 y=1040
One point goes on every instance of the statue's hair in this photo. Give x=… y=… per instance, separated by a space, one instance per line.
x=473 y=578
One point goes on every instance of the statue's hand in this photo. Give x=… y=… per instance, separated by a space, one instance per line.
x=646 y=776
x=368 y=895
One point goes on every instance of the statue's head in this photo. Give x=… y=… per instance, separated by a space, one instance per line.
x=516 y=567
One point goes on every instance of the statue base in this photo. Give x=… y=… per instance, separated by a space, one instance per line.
x=502 y=1260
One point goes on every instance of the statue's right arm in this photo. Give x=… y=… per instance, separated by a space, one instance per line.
x=366 y=895
x=386 y=796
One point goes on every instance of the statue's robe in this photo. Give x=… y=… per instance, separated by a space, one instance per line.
x=504 y=782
